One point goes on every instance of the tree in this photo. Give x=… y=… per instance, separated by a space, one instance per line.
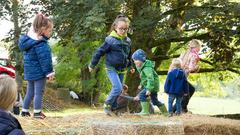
x=161 y=28
x=81 y=27
x=16 y=12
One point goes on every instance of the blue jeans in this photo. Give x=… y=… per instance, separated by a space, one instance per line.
x=153 y=97
x=35 y=90
x=116 y=80
x=171 y=98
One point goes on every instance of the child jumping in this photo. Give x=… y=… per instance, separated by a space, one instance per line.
x=117 y=48
x=189 y=64
x=176 y=86
x=37 y=63
x=9 y=125
x=149 y=82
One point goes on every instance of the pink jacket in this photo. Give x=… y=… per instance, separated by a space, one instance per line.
x=190 y=61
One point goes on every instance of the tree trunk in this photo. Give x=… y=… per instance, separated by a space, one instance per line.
x=16 y=54
x=143 y=37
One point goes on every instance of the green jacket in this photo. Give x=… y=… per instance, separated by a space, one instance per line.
x=149 y=77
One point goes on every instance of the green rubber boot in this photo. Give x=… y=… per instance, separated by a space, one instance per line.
x=145 y=108
x=163 y=110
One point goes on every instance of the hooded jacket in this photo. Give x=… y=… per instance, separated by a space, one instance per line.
x=37 y=57
x=9 y=125
x=117 y=50
x=190 y=61
x=176 y=82
x=149 y=77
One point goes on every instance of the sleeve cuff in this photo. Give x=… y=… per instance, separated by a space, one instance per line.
x=50 y=74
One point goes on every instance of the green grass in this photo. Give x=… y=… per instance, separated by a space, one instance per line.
x=209 y=106
x=197 y=105
x=71 y=111
x=213 y=106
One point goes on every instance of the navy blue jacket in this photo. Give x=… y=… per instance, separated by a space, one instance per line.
x=118 y=53
x=176 y=82
x=9 y=125
x=37 y=57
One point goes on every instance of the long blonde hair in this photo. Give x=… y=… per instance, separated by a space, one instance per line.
x=8 y=92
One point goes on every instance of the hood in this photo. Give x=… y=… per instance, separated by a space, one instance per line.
x=148 y=63
x=179 y=73
x=5 y=117
x=114 y=34
x=25 y=42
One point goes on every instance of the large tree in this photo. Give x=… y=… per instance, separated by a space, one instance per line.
x=16 y=12
x=161 y=28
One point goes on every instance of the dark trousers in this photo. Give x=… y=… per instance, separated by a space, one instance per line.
x=153 y=97
x=186 y=99
x=16 y=110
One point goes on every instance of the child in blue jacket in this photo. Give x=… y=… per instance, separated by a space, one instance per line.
x=176 y=86
x=37 y=63
x=9 y=125
x=117 y=50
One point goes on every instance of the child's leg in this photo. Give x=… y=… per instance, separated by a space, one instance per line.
x=156 y=102
x=16 y=110
x=142 y=95
x=39 y=87
x=171 y=98
x=178 y=105
x=28 y=97
x=144 y=102
x=186 y=99
x=115 y=79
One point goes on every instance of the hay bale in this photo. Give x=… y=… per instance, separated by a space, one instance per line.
x=138 y=128
x=108 y=128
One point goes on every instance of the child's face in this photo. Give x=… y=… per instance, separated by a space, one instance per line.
x=121 y=28
x=48 y=31
x=138 y=63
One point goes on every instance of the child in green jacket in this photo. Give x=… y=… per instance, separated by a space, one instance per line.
x=149 y=82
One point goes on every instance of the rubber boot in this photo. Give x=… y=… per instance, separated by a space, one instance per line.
x=145 y=108
x=163 y=109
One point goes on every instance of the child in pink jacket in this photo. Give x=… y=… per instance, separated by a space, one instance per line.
x=189 y=60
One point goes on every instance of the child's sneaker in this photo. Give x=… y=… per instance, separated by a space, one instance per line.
x=170 y=114
x=178 y=114
x=107 y=109
x=39 y=115
x=25 y=114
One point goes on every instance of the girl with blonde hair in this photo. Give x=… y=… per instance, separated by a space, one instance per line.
x=189 y=63
x=9 y=125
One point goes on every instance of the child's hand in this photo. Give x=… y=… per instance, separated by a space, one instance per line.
x=132 y=70
x=90 y=69
x=50 y=76
x=136 y=98
x=139 y=87
x=148 y=93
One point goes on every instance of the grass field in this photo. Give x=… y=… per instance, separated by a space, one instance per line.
x=210 y=106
